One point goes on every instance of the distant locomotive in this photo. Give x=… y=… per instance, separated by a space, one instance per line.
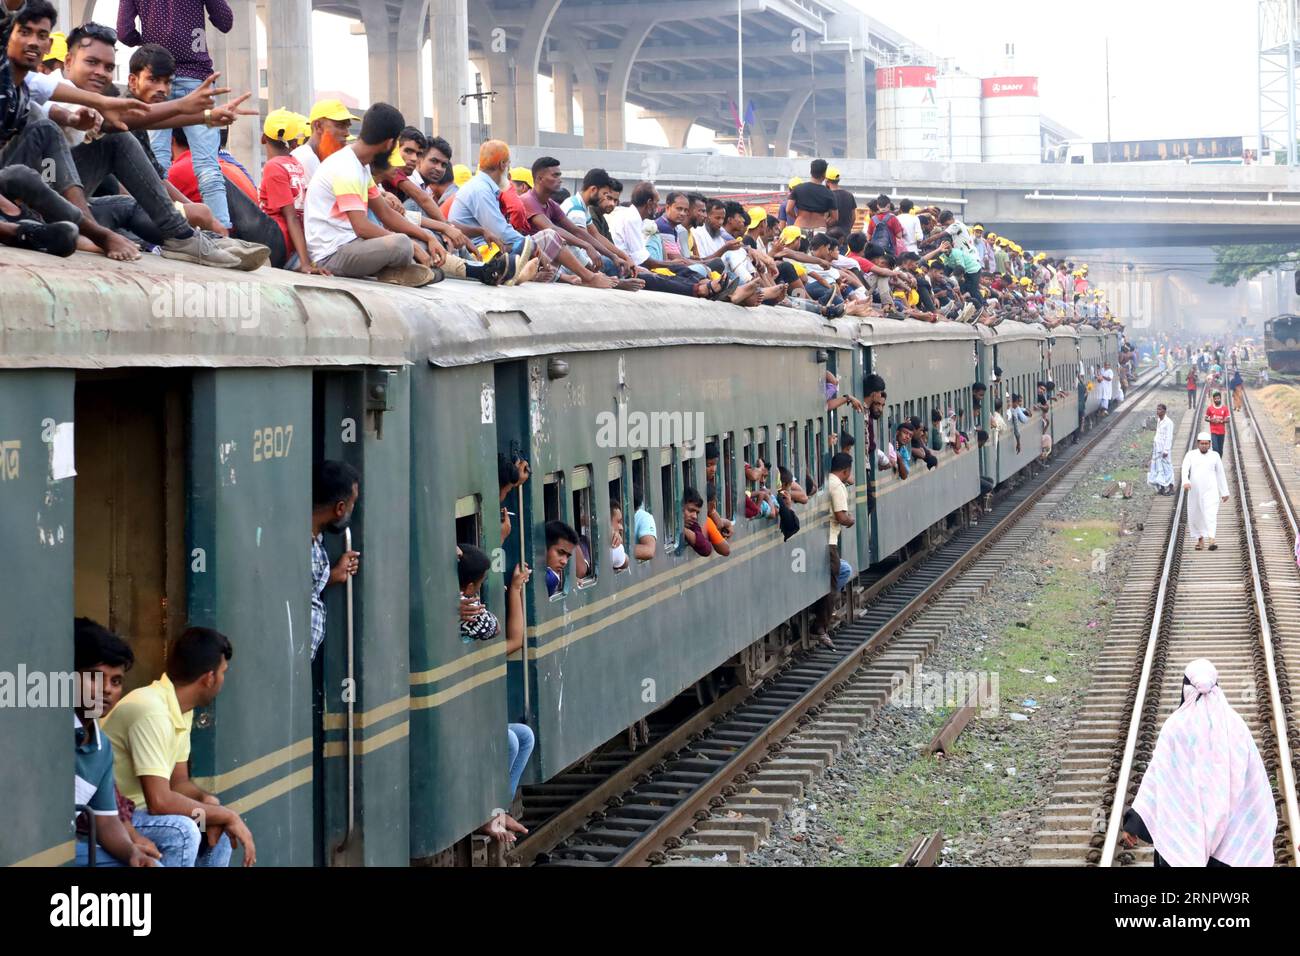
x=195 y=435
x=1282 y=343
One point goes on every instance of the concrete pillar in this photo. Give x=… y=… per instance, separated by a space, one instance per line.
x=381 y=50
x=758 y=138
x=616 y=86
x=562 y=80
x=407 y=92
x=528 y=59
x=677 y=129
x=789 y=116
x=289 y=63
x=856 y=127
x=588 y=90
x=234 y=56
x=449 y=30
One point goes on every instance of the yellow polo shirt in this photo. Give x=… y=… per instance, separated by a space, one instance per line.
x=150 y=736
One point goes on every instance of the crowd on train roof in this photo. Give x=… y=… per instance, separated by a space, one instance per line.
x=88 y=166
x=125 y=172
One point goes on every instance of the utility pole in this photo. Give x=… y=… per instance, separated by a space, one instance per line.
x=740 y=69
x=1108 y=99
x=480 y=95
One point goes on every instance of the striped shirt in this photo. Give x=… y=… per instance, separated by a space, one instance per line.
x=320 y=576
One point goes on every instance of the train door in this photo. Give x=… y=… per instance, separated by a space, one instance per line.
x=360 y=676
x=36 y=565
x=131 y=444
x=513 y=443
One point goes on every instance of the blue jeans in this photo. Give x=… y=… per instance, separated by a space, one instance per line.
x=521 y=748
x=180 y=842
x=102 y=856
x=845 y=572
x=204 y=142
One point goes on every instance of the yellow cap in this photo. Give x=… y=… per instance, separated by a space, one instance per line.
x=757 y=216
x=332 y=110
x=522 y=174
x=977 y=228
x=1039 y=257
x=461 y=173
x=285 y=126
x=396 y=159
x=833 y=174
x=795 y=181
x=791 y=234
x=58 y=47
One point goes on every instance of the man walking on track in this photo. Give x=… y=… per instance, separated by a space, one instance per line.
x=1206 y=487
x=1191 y=386
x=1217 y=415
x=1161 y=472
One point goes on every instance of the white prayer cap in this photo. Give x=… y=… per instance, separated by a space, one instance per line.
x=1203 y=436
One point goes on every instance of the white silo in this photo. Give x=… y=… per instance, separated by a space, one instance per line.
x=907 y=115
x=960 y=116
x=1011 y=120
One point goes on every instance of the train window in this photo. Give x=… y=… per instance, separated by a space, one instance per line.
x=618 y=501
x=688 y=466
x=553 y=509
x=747 y=446
x=810 y=456
x=469 y=521
x=726 y=479
x=821 y=458
x=760 y=440
x=640 y=482
x=793 y=439
x=553 y=496
x=584 y=522
x=668 y=490
x=782 y=452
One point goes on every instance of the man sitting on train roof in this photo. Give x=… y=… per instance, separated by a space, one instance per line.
x=30 y=139
x=150 y=733
x=148 y=211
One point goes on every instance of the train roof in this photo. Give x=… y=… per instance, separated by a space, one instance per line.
x=882 y=331
x=1011 y=331
x=89 y=312
x=1063 y=331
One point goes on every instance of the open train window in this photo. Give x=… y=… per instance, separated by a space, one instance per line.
x=820 y=461
x=782 y=453
x=668 y=491
x=810 y=456
x=641 y=482
x=618 y=502
x=726 y=476
x=760 y=441
x=747 y=446
x=553 y=509
x=689 y=475
x=793 y=438
x=469 y=521
x=584 y=522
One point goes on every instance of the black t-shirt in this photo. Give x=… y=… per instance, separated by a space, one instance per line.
x=813 y=197
x=14 y=101
x=846 y=206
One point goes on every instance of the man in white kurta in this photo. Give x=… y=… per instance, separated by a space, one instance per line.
x=1161 y=472
x=1107 y=381
x=1206 y=487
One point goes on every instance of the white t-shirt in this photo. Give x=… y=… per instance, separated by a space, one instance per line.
x=961 y=236
x=576 y=210
x=308 y=159
x=625 y=228
x=341 y=185
x=707 y=246
x=912 y=235
x=839 y=501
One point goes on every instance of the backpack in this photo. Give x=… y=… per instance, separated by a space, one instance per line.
x=882 y=238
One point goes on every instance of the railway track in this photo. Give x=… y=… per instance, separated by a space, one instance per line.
x=712 y=788
x=1239 y=606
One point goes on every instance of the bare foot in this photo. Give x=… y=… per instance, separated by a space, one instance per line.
x=503 y=828
x=529 y=271
x=746 y=292
x=630 y=285
x=599 y=280
x=120 y=249
x=775 y=294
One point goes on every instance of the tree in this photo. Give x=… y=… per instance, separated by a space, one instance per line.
x=1234 y=263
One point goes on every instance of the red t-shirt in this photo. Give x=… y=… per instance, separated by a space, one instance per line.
x=1218 y=416
x=512 y=207
x=181 y=175
x=284 y=183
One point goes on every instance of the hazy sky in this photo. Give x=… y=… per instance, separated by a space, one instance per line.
x=1177 y=67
